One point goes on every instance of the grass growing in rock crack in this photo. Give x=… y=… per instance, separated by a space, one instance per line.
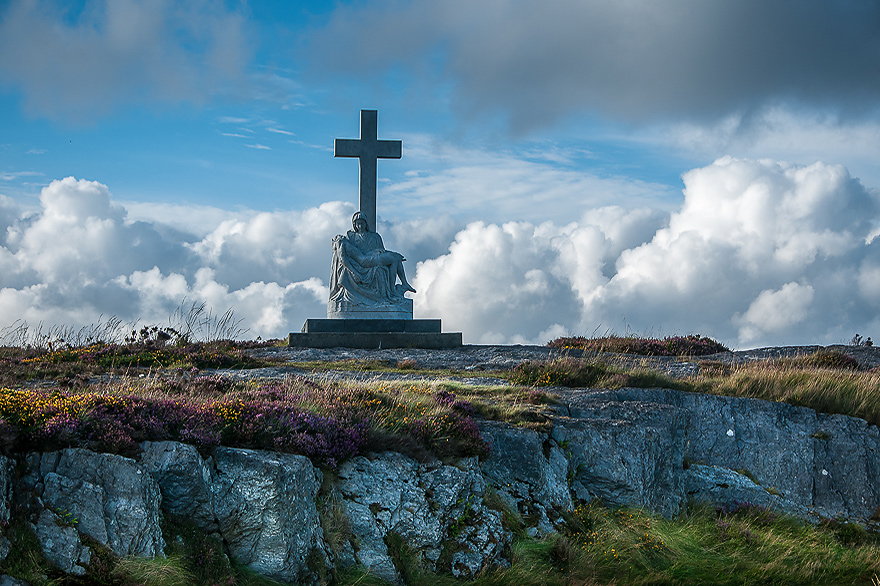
x=731 y=546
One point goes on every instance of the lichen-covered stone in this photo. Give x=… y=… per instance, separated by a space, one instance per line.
x=719 y=486
x=5 y=488
x=624 y=452
x=428 y=505
x=184 y=478
x=264 y=503
x=827 y=465
x=5 y=548
x=529 y=472
x=113 y=500
x=61 y=544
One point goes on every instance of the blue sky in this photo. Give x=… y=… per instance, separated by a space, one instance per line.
x=568 y=167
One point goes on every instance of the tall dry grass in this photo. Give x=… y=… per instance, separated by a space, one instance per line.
x=828 y=390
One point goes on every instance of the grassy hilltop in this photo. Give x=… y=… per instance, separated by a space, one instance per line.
x=109 y=394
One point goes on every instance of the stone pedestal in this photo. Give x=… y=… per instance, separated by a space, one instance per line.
x=342 y=309
x=374 y=334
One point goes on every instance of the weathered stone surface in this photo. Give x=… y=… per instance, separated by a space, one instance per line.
x=5 y=548
x=114 y=501
x=719 y=486
x=828 y=465
x=5 y=501
x=61 y=544
x=529 y=472
x=427 y=505
x=264 y=503
x=184 y=479
x=625 y=452
x=5 y=488
x=7 y=580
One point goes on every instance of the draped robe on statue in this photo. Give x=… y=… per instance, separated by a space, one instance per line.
x=363 y=275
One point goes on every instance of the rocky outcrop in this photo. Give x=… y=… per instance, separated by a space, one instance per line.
x=61 y=544
x=262 y=504
x=184 y=478
x=434 y=508
x=651 y=448
x=5 y=501
x=624 y=452
x=107 y=497
x=819 y=465
x=529 y=472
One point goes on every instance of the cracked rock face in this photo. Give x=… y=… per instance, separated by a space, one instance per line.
x=264 y=503
x=430 y=506
x=261 y=503
x=5 y=488
x=61 y=544
x=825 y=465
x=625 y=452
x=528 y=472
x=111 y=498
x=184 y=479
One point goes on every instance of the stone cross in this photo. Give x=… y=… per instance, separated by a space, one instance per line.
x=368 y=149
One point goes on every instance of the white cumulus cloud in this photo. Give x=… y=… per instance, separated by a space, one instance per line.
x=759 y=252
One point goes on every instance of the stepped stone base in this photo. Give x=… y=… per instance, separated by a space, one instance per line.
x=374 y=334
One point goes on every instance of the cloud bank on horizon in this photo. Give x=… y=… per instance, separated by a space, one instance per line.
x=759 y=252
x=775 y=242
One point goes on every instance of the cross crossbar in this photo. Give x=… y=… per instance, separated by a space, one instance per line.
x=368 y=149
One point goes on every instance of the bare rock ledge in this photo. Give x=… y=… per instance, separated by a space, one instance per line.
x=650 y=448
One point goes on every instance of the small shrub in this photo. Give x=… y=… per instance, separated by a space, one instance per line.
x=563 y=372
x=580 y=373
x=692 y=345
x=831 y=359
x=850 y=534
x=201 y=555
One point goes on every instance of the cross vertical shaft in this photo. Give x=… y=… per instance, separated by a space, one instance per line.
x=368 y=149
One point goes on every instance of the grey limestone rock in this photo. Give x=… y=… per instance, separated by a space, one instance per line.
x=5 y=500
x=264 y=503
x=184 y=478
x=5 y=488
x=625 y=452
x=113 y=500
x=529 y=471
x=719 y=486
x=61 y=544
x=827 y=465
x=5 y=548
x=427 y=505
x=7 y=580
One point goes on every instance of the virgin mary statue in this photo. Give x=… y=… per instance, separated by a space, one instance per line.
x=363 y=277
